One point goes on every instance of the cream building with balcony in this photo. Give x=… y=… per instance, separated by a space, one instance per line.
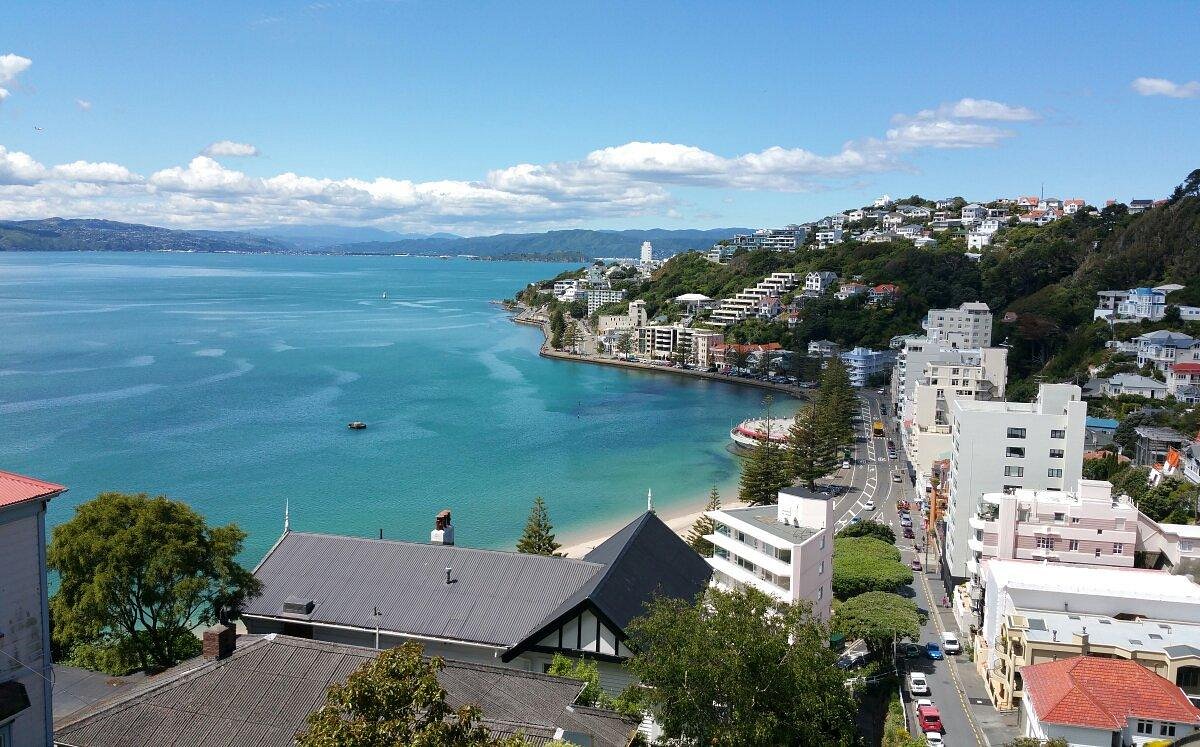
x=784 y=550
x=1036 y=612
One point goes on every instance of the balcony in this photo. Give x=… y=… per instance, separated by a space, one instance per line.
x=977 y=522
x=975 y=544
x=749 y=552
x=747 y=578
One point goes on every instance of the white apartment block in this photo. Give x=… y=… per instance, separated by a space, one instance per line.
x=1007 y=446
x=597 y=297
x=819 y=282
x=635 y=317
x=647 y=253
x=829 y=236
x=973 y=213
x=864 y=364
x=785 y=239
x=785 y=550
x=665 y=341
x=743 y=305
x=978 y=240
x=968 y=326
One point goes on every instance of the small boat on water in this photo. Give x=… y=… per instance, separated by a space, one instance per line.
x=357 y=425
x=385 y=295
x=749 y=433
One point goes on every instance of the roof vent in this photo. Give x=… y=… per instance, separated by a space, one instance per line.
x=298 y=606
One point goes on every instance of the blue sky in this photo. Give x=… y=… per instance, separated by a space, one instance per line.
x=503 y=117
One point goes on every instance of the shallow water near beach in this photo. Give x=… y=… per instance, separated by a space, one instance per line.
x=227 y=381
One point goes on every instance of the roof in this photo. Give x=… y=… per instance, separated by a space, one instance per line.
x=1113 y=583
x=1167 y=337
x=1098 y=693
x=1110 y=423
x=1156 y=433
x=1176 y=639
x=1135 y=381
x=766 y=518
x=16 y=489
x=692 y=297
x=1186 y=368
x=262 y=694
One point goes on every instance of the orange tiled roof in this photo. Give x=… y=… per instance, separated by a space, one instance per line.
x=1098 y=693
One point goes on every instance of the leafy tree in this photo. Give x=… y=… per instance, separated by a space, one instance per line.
x=812 y=448
x=137 y=574
x=396 y=699
x=738 y=667
x=1171 y=501
x=625 y=344
x=878 y=617
x=585 y=671
x=704 y=525
x=578 y=309
x=1132 y=481
x=1101 y=469
x=538 y=537
x=737 y=358
x=862 y=564
x=876 y=529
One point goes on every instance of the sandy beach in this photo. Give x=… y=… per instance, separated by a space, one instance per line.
x=679 y=519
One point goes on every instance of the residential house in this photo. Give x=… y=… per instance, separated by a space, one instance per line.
x=910 y=231
x=865 y=365
x=1035 y=612
x=1090 y=701
x=482 y=606
x=26 y=669
x=892 y=221
x=1098 y=432
x=978 y=240
x=1153 y=443
x=1144 y=303
x=849 y=290
x=720 y=253
x=1191 y=461
x=881 y=238
x=1028 y=202
x=973 y=213
x=828 y=236
x=1142 y=386
x=1182 y=376
x=992 y=225
x=817 y=283
x=1050 y=203
x=924 y=242
x=946 y=203
x=1070 y=207
x=767 y=308
x=822 y=349
x=1140 y=206
x=883 y=293
x=1162 y=348
x=882 y=202
x=856 y=214
x=259 y=690
x=914 y=211
x=1108 y=303
x=1002 y=446
x=784 y=550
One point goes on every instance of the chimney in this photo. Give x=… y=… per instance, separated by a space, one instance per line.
x=219 y=642
x=1085 y=646
x=443 y=530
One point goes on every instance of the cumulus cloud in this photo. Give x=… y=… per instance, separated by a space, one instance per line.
x=618 y=181
x=11 y=65
x=1164 y=87
x=230 y=148
x=84 y=105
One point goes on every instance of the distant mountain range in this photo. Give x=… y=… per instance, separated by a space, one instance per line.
x=61 y=234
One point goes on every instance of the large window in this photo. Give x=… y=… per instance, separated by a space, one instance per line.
x=1118 y=548
x=1054 y=472
x=1166 y=730
x=1045 y=543
x=1144 y=727
x=1058 y=434
x=1016 y=433
x=1015 y=452
x=1072 y=544
x=1014 y=471
x=1056 y=454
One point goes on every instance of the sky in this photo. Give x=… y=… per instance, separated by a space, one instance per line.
x=507 y=117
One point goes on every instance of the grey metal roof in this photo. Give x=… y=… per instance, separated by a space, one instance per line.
x=767 y=519
x=262 y=694
x=495 y=597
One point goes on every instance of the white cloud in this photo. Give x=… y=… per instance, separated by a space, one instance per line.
x=1164 y=87
x=12 y=65
x=619 y=181
x=230 y=148
x=84 y=105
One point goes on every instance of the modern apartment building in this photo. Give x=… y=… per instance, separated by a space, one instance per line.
x=785 y=550
x=746 y=301
x=829 y=236
x=667 y=341
x=864 y=364
x=26 y=669
x=1007 y=446
x=1038 y=612
x=968 y=326
x=597 y=297
x=775 y=239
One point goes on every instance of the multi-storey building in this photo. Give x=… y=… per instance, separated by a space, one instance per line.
x=1162 y=347
x=817 y=283
x=973 y=213
x=863 y=365
x=26 y=669
x=1006 y=446
x=785 y=239
x=828 y=236
x=785 y=550
x=742 y=305
x=968 y=326
x=597 y=297
x=1038 y=612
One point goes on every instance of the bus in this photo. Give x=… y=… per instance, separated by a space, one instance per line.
x=877 y=429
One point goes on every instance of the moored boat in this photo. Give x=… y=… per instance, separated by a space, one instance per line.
x=749 y=433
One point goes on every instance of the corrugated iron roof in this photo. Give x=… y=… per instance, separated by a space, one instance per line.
x=16 y=489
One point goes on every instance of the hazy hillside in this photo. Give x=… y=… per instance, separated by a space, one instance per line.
x=580 y=242
x=60 y=234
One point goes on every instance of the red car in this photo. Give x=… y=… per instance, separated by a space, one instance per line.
x=929 y=718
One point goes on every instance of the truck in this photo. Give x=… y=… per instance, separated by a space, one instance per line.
x=877 y=428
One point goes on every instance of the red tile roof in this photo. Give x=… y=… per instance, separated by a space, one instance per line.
x=1186 y=368
x=1098 y=693
x=16 y=489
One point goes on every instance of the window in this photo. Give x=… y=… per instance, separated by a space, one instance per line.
x=1045 y=543
x=1074 y=519
x=1097 y=552
x=1015 y=452
x=821 y=569
x=1144 y=727
x=820 y=593
x=1166 y=730
x=1072 y=544
x=1060 y=517
x=1185 y=545
x=1054 y=472
x=1056 y=453
x=1016 y=433
x=1014 y=471
x=1118 y=548
x=1058 y=434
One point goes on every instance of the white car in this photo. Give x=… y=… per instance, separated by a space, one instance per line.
x=845 y=464
x=934 y=739
x=950 y=644
x=917 y=684
x=869 y=506
x=923 y=702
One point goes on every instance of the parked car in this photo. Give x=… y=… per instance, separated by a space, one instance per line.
x=917 y=684
x=934 y=739
x=908 y=533
x=915 y=564
x=896 y=477
x=911 y=650
x=929 y=719
x=869 y=506
x=919 y=702
x=950 y=644
x=902 y=505
x=855 y=519
x=845 y=464
x=932 y=650
x=905 y=521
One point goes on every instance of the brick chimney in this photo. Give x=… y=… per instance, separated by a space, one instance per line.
x=443 y=530
x=219 y=642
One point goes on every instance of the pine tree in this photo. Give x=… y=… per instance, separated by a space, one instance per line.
x=835 y=403
x=764 y=474
x=811 y=446
x=705 y=525
x=538 y=537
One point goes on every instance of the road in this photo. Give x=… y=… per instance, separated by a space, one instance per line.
x=870 y=478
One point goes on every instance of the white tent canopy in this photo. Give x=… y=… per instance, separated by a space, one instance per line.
x=692 y=298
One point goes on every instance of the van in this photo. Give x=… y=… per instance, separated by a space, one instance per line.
x=950 y=644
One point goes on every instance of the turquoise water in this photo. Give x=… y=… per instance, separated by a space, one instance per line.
x=227 y=381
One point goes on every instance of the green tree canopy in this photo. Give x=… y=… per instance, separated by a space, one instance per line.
x=862 y=564
x=137 y=574
x=876 y=529
x=538 y=537
x=878 y=617
x=396 y=699
x=740 y=668
x=812 y=446
x=764 y=474
x=704 y=525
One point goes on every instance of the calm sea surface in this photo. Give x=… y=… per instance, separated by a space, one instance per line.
x=227 y=381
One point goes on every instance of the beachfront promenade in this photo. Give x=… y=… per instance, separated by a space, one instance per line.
x=533 y=319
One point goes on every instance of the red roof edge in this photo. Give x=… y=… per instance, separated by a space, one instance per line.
x=16 y=489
